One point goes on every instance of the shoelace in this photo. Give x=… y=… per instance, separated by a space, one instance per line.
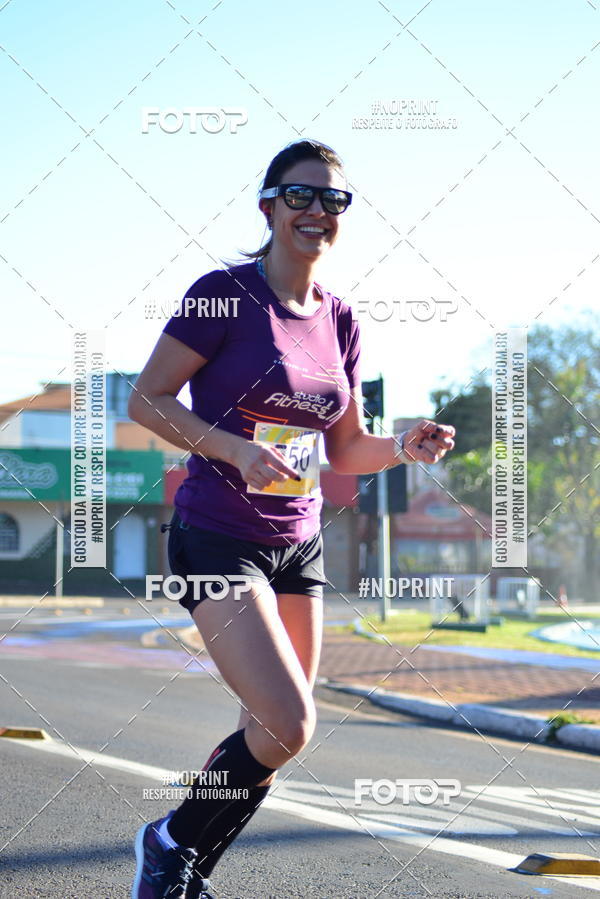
x=185 y=875
x=203 y=885
x=188 y=871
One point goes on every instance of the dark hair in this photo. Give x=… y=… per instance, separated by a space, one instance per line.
x=297 y=151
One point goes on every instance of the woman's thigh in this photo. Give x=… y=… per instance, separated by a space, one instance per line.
x=256 y=656
x=302 y=617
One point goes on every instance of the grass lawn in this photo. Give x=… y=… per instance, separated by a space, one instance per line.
x=410 y=628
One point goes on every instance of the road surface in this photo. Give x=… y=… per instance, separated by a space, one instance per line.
x=122 y=717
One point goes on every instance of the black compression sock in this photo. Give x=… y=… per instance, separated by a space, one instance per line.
x=239 y=769
x=225 y=828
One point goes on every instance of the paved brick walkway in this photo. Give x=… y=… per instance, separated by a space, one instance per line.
x=460 y=678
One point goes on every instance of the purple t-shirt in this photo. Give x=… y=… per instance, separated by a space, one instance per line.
x=268 y=364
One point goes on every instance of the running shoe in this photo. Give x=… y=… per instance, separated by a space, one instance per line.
x=161 y=873
x=198 y=888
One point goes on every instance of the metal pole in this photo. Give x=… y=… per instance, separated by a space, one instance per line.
x=383 y=542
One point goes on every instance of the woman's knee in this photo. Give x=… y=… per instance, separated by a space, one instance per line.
x=300 y=727
x=289 y=727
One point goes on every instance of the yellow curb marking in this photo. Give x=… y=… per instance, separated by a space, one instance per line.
x=559 y=863
x=31 y=733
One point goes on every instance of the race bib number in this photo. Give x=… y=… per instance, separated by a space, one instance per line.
x=300 y=449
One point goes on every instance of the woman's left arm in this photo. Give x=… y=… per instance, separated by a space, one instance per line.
x=351 y=449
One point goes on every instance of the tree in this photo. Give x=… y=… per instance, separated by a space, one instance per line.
x=563 y=438
x=468 y=412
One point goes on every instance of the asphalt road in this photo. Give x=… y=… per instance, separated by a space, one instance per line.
x=69 y=819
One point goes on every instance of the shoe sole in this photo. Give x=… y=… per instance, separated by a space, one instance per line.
x=139 y=859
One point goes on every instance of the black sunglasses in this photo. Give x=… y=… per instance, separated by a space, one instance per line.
x=300 y=196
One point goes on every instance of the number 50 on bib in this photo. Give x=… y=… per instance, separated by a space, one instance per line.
x=299 y=447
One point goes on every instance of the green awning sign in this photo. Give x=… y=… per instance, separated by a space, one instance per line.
x=132 y=476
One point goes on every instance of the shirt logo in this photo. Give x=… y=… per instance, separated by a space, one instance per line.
x=304 y=402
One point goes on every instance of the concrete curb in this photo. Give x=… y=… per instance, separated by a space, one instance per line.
x=472 y=716
x=361 y=631
x=502 y=721
x=188 y=636
x=579 y=736
x=476 y=716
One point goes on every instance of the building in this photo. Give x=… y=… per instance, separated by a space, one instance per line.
x=143 y=473
x=437 y=534
x=35 y=504
x=35 y=477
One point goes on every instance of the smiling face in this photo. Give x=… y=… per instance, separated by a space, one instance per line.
x=305 y=232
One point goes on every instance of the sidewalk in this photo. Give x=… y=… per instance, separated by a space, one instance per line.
x=452 y=688
x=456 y=678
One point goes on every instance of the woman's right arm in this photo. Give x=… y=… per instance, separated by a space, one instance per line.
x=153 y=403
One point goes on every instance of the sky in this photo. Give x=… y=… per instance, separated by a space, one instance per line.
x=496 y=215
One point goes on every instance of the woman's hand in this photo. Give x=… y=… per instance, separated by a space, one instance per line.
x=260 y=465
x=428 y=442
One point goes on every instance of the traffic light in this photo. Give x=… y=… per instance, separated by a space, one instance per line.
x=372 y=392
x=396 y=484
x=396 y=491
x=367 y=493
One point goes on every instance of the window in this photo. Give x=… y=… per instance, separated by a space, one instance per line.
x=9 y=534
x=118 y=388
x=433 y=555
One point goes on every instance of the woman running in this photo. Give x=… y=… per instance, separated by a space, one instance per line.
x=272 y=359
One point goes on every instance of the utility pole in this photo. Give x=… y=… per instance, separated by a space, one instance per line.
x=383 y=542
x=58 y=567
x=372 y=392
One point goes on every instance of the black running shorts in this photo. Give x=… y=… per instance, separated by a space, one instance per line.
x=293 y=568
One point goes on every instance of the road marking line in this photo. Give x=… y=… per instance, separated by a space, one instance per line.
x=495 y=857
x=586 y=798
x=514 y=798
x=470 y=850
